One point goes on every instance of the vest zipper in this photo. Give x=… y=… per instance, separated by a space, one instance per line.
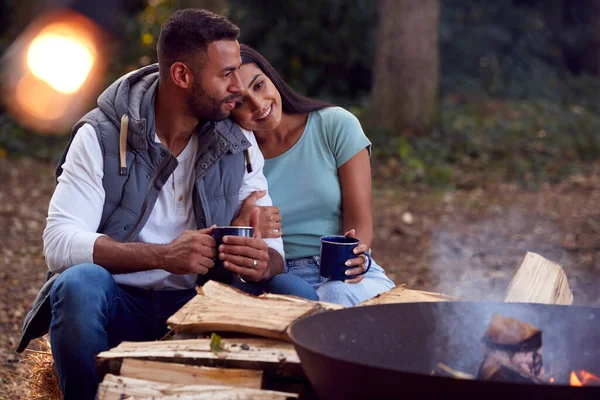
x=162 y=166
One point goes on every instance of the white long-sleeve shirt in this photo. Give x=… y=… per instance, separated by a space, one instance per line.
x=76 y=208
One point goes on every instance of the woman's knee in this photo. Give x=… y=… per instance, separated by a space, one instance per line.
x=338 y=292
x=292 y=285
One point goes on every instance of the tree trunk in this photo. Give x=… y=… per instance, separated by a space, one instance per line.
x=404 y=99
x=591 y=56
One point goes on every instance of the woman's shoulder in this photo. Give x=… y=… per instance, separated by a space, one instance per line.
x=337 y=118
x=335 y=113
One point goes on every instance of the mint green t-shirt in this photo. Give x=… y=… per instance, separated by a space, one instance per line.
x=304 y=183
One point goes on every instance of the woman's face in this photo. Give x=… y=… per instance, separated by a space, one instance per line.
x=260 y=106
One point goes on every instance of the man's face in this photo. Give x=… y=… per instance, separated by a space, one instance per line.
x=217 y=85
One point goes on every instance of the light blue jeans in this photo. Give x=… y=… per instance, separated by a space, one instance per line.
x=338 y=292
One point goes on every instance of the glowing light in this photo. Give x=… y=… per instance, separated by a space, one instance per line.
x=53 y=70
x=44 y=104
x=61 y=57
x=147 y=39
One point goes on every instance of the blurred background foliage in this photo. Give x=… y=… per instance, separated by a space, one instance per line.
x=516 y=102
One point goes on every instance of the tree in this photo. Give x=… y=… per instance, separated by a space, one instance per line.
x=404 y=98
x=591 y=56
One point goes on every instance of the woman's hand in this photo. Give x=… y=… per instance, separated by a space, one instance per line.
x=359 y=263
x=269 y=220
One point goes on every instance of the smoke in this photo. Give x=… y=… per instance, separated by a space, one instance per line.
x=477 y=260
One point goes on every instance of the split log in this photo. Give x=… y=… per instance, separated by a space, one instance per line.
x=539 y=280
x=222 y=308
x=324 y=304
x=190 y=374
x=400 y=294
x=444 y=370
x=119 y=388
x=275 y=358
x=512 y=352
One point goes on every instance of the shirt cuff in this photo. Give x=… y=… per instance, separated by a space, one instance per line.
x=277 y=245
x=82 y=247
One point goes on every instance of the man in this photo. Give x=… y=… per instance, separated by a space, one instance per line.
x=144 y=180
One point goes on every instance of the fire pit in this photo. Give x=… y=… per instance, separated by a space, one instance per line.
x=394 y=350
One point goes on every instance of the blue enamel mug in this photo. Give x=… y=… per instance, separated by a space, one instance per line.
x=335 y=251
x=219 y=272
x=220 y=231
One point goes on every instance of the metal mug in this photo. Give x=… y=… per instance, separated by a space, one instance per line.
x=335 y=251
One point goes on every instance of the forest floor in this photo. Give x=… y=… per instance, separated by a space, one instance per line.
x=462 y=243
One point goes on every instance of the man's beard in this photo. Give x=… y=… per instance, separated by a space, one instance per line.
x=205 y=107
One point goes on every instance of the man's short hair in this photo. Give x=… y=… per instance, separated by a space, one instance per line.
x=188 y=32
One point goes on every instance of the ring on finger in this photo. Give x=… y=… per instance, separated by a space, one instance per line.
x=254 y=263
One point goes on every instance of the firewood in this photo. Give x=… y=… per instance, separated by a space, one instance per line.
x=190 y=374
x=400 y=294
x=119 y=387
x=539 y=280
x=512 y=351
x=498 y=366
x=220 y=307
x=512 y=335
x=446 y=370
x=272 y=356
x=324 y=304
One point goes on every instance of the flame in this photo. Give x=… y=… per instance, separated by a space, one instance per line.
x=574 y=380
x=583 y=378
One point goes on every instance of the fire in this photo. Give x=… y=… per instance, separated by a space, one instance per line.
x=574 y=380
x=583 y=378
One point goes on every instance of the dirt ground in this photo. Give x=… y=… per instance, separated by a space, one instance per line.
x=462 y=243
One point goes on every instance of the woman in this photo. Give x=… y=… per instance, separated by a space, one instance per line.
x=316 y=160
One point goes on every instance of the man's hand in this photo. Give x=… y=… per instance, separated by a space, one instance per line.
x=269 y=222
x=192 y=252
x=247 y=257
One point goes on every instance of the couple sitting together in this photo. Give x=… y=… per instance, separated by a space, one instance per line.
x=172 y=151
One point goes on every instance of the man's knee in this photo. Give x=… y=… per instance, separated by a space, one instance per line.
x=292 y=285
x=80 y=282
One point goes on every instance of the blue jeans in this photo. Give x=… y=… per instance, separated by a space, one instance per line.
x=349 y=295
x=91 y=313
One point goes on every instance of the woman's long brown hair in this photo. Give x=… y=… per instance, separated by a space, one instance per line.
x=291 y=101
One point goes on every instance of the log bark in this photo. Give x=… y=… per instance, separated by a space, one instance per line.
x=120 y=388
x=539 y=280
x=404 y=98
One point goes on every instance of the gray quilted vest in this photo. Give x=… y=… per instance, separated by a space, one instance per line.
x=132 y=192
